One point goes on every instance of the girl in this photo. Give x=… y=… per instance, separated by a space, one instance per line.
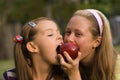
x=90 y=30
x=35 y=52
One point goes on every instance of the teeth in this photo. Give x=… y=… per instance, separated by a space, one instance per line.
x=60 y=44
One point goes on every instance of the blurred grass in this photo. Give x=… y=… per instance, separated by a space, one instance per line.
x=117 y=48
x=5 y=65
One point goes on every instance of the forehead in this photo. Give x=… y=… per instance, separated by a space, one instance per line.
x=78 y=19
x=46 y=24
x=79 y=22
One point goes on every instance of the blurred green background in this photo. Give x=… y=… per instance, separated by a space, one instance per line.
x=15 y=13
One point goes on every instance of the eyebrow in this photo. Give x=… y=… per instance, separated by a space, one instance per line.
x=57 y=30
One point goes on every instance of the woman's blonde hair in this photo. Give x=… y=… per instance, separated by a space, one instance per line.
x=102 y=67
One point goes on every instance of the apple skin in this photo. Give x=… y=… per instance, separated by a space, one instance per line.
x=70 y=48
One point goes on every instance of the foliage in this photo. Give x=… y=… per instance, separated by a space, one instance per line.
x=24 y=10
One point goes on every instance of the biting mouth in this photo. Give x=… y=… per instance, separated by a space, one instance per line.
x=58 y=49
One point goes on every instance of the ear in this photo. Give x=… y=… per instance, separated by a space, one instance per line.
x=97 y=41
x=32 y=47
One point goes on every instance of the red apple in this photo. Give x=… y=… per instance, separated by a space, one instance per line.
x=70 y=48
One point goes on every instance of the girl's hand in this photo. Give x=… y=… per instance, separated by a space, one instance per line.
x=71 y=67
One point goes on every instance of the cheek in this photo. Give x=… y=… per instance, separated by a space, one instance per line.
x=84 y=49
x=49 y=47
x=84 y=45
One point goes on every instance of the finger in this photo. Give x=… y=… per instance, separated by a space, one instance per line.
x=63 y=63
x=78 y=57
x=68 y=58
x=61 y=59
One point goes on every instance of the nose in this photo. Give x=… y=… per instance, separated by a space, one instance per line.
x=69 y=38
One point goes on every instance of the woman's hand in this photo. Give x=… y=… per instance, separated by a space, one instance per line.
x=71 y=67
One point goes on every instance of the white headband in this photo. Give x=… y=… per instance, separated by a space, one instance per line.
x=98 y=18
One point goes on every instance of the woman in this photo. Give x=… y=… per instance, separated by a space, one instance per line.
x=35 y=52
x=90 y=30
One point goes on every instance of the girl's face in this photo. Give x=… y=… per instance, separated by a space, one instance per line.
x=77 y=31
x=47 y=40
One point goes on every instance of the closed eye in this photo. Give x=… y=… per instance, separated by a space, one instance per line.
x=50 y=35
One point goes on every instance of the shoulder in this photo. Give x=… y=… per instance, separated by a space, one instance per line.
x=117 y=68
x=9 y=74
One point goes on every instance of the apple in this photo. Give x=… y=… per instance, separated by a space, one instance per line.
x=70 y=48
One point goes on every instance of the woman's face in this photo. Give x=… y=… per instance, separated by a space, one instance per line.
x=47 y=40
x=78 y=31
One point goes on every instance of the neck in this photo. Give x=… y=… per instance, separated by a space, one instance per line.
x=41 y=69
x=88 y=59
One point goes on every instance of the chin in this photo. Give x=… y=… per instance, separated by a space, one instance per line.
x=56 y=61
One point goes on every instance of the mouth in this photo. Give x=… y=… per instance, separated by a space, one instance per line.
x=58 y=49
